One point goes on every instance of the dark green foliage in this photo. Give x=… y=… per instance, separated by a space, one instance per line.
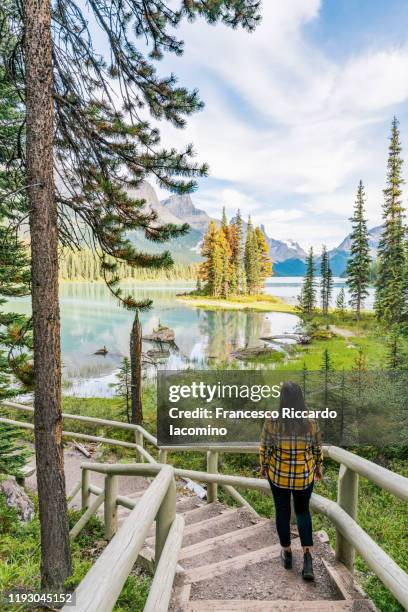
x=390 y=290
x=13 y=455
x=307 y=298
x=341 y=301
x=102 y=151
x=20 y=559
x=326 y=283
x=396 y=358
x=123 y=388
x=251 y=260
x=85 y=265
x=359 y=264
x=16 y=371
x=237 y=255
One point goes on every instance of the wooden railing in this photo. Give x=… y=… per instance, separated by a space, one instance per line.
x=350 y=537
x=102 y=585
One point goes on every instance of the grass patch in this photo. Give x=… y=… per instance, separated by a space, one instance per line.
x=20 y=557
x=260 y=303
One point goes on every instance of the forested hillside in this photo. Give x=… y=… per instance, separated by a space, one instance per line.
x=84 y=265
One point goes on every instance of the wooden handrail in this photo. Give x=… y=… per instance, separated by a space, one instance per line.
x=350 y=535
x=387 y=570
x=93 y=420
x=385 y=479
x=102 y=585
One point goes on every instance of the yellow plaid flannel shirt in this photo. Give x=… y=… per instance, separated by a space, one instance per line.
x=290 y=459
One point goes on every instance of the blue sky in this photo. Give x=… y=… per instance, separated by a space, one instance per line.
x=296 y=113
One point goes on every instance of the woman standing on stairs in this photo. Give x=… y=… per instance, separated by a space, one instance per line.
x=291 y=458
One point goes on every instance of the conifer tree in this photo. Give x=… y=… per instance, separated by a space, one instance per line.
x=76 y=130
x=395 y=358
x=326 y=281
x=341 y=301
x=237 y=247
x=123 y=387
x=224 y=220
x=234 y=268
x=224 y=246
x=358 y=265
x=16 y=372
x=215 y=269
x=307 y=298
x=327 y=367
x=265 y=264
x=252 y=260
x=390 y=290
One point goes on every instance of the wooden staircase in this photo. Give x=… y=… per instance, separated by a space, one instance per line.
x=229 y=562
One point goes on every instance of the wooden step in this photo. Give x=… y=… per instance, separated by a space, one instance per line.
x=226 y=538
x=203 y=513
x=279 y=605
x=220 y=519
x=188 y=502
x=206 y=572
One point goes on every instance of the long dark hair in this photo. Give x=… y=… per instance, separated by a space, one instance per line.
x=291 y=396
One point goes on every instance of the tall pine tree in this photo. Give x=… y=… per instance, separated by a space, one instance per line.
x=307 y=298
x=251 y=260
x=96 y=138
x=359 y=263
x=237 y=248
x=390 y=290
x=265 y=264
x=326 y=281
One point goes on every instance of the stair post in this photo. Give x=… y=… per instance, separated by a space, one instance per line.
x=85 y=495
x=110 y=506
x=212 y=468
x=347 y=499
x=162 y=456
x=164 y=519
x=139 y=440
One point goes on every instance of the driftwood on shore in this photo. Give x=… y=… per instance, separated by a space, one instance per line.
x=299 y=338
x=253 y=351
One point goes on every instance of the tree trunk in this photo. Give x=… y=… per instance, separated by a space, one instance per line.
x=55 y=548
x=136 y=370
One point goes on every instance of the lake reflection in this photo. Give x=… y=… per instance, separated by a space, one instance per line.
x=92 y=318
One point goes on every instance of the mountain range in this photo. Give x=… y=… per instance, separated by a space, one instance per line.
x=288 y=256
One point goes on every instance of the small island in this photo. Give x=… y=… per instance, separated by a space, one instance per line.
x=260 y=303
x=235 y=267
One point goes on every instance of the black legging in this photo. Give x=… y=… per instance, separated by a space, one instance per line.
x=301 y=499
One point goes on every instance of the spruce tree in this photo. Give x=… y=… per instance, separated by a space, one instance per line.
x=224 y=246
x=341 y=301
x=265 y=264
x=307 y=298
x=123 y=387
x=252 y=260
x=395 y=358
x=16 y=371
x=326 y=281
x=390 y=290
x=96 y=138
x=326 y=368
x=358 y=265
x=237 y=247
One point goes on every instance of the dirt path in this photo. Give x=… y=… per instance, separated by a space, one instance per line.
x=72 y=467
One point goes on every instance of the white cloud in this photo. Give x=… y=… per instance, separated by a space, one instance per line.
x=282 y=119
